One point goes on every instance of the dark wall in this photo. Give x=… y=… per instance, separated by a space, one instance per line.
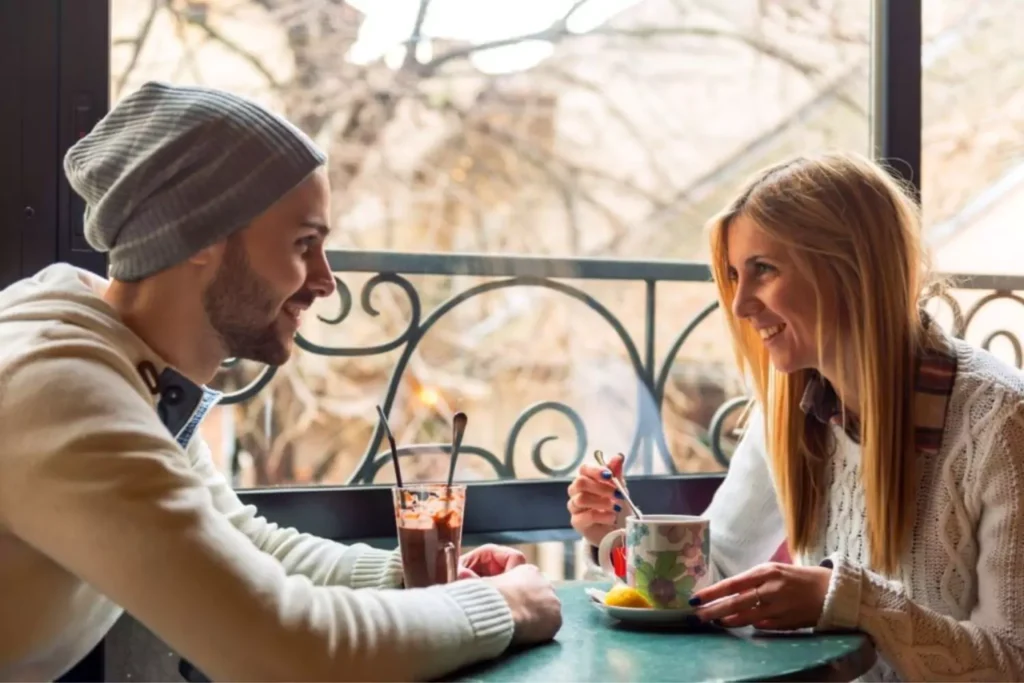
x=54 y=56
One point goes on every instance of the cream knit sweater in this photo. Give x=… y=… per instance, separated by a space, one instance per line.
x=956 y=611
x=101 y=509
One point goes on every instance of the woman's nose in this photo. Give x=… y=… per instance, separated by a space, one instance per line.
x=745 y=304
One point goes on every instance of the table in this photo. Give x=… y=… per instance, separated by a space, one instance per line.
x=594 y=647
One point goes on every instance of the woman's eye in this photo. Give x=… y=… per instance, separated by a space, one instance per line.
x=763 y=269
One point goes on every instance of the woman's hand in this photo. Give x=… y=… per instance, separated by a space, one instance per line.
x=594 y=504
x=489 y=560
x=770 y=596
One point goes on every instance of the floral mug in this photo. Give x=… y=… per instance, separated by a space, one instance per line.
x=667 y=557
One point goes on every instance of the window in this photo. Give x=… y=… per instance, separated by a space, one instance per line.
x=973 y=159
x=605 y=129
x=972 y=143
x=539 y=173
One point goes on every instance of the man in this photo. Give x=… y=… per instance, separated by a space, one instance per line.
x=214 y=214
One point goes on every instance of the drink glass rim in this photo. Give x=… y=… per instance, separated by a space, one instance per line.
x=428 y=486
x=667 y=519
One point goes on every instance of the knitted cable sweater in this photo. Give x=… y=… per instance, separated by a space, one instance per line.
x=956 y=609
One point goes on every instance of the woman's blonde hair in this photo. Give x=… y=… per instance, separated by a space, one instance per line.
x=853 y=231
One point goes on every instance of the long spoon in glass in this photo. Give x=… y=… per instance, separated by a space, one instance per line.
x=599 y=457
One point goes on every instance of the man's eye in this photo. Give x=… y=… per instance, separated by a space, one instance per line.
x=307 y=243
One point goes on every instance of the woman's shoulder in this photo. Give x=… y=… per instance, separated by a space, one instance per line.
x=987 y=398
x=979 y=370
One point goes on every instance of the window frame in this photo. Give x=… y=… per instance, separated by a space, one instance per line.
x=60 y=88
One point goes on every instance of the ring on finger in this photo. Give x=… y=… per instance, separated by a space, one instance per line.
x=576 y=508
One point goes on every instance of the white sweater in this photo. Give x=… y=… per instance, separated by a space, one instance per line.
x=956 y=611
x=101 y=509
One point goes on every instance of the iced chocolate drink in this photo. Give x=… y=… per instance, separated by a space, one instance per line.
x=429 y=522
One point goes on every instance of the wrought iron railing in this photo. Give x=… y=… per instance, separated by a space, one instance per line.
x=558 y=274
x=996 y=288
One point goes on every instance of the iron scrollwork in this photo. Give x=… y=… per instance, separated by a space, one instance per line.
x=371 y=461
x=986 y=343
x=538 y=460
x=504 y=467
x=652 y=378
x=962 y=321
x=345 y=308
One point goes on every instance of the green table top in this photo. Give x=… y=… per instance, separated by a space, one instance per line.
x=593 y=647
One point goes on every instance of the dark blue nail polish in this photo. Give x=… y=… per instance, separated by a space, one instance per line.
x=694 y=601
x=618 y=508
x=618 y=493
x=606 y=474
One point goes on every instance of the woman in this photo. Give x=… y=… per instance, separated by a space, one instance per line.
x=890 y=455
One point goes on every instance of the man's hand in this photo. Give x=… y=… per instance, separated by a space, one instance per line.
x=489 y=560
x=536 y=610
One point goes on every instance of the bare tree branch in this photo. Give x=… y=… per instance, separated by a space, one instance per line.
x=647 y=33
x=228 y=43
x=618 y=114
x=137 y=43
x=558 y=170
x=409 y=61
x=522 y=144
x=553 y=33
x=563 y=178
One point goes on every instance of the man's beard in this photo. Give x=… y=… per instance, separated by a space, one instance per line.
x=242 y=310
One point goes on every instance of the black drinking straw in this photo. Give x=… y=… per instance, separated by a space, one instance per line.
x=394 y=452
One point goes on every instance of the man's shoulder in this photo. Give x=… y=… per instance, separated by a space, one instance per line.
x=56 y=358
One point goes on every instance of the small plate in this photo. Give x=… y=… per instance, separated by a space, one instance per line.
x=645 y=615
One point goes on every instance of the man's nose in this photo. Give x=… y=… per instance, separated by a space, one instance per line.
x=320 y=279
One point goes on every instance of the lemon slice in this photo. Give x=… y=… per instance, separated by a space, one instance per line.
x=624 y=596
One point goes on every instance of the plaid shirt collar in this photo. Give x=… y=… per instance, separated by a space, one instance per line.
x=933 y=385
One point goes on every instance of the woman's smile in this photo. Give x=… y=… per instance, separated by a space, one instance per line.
x=771 y=332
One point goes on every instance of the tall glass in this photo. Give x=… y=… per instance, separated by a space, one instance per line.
x=429 y=522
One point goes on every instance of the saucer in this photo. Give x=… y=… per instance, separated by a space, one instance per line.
x=646 y=615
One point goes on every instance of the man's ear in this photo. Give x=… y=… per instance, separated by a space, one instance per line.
x=208 y=256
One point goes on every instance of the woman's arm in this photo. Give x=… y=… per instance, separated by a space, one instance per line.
x=746 y=523
x=922 y=644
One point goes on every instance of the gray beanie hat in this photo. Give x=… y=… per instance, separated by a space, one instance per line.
x=171 y=170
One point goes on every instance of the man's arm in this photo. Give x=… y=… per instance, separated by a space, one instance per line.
x=324 y=562
x=90 y=478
